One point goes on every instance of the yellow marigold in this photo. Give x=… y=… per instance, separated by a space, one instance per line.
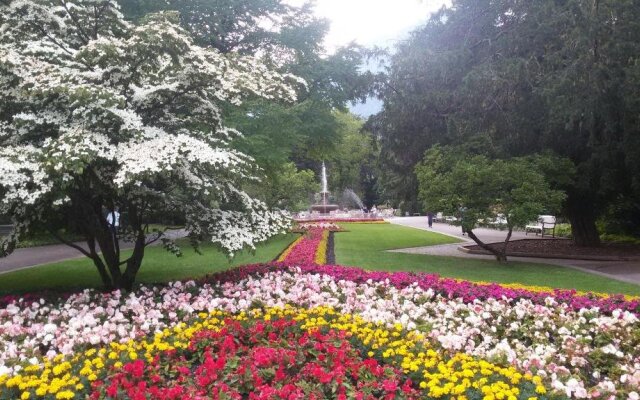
x=67 y=394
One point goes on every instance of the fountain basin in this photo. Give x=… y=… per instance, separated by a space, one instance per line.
x=324 y=208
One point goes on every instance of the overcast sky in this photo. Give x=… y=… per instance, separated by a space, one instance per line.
x=372 y=22
x=379 y=23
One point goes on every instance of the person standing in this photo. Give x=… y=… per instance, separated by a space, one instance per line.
x=430 y=219
x=113 y=220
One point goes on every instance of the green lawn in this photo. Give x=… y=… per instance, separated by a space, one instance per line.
x=365 y=245
x=158 y=266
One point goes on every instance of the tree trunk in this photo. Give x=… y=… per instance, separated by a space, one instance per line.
x=584 y=230
x=97 y=261
x=134 y=262
x=579 y=210
x=102 y=270
x=501 y=255
x=506 y=242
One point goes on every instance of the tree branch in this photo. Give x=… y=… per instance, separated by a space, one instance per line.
x=68 y=243
x=87 y=38
x=160 y=234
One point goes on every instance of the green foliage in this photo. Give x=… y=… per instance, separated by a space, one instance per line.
x=481 y=188
x=287 y=187
x=352 y=164
x=306 y=133
x=531 y=77
x=563 y=230
x=238 y=25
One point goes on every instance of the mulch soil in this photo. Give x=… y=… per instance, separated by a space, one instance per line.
x=566 y=247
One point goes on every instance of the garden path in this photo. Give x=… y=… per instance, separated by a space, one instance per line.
x=34 y=256
x=625 y=271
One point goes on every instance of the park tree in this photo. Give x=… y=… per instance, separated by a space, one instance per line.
x=285 y=186
x=289 y=38
x=98 y=113
x=477 y=188
x=274 y=29
x=532 y=76
x=353 y=163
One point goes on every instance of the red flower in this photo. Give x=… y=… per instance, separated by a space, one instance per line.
x=389 y=385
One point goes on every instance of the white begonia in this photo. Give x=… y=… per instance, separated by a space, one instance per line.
x=91 y=317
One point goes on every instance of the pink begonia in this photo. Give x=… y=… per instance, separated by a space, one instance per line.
x=534 y=337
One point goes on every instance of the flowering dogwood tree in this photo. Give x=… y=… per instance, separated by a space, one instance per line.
x=97 y=113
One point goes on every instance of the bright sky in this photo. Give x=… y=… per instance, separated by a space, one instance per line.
x=372 y=22
x=379 y=23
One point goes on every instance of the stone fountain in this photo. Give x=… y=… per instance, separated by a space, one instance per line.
x=324 y=207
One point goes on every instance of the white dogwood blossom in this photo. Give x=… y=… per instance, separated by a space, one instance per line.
x=97 y=111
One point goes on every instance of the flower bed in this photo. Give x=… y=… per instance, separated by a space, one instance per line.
x=424 y=335
x=305 y=226
x=243 y=358
x=309 y=254
x=305 y=353
x=344 y=220
x=310 y=248
x=584 y=352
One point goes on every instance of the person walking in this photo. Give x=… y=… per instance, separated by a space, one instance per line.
x=462 y=211
x=430 y=219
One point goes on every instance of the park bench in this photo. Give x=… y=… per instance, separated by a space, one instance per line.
x=499 y=221
x=450 y=219
x=544 y=222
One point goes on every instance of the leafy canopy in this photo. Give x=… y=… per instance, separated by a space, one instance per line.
x=533 y=76
x=481 y=188
x=99 y=113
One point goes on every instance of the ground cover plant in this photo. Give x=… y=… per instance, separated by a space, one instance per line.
x=402 y=335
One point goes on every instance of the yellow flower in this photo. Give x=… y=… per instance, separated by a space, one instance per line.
x=67 y=394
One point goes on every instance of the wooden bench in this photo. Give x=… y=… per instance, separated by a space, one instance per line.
x=544 y=222
x=5 y=230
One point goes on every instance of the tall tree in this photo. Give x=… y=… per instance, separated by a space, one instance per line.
x=477 y=188
x=99 y=113
x=531 y=76
x=288 y=38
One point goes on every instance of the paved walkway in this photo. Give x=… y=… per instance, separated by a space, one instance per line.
x=625 y=271
x=33 y=256
x=485 y=234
